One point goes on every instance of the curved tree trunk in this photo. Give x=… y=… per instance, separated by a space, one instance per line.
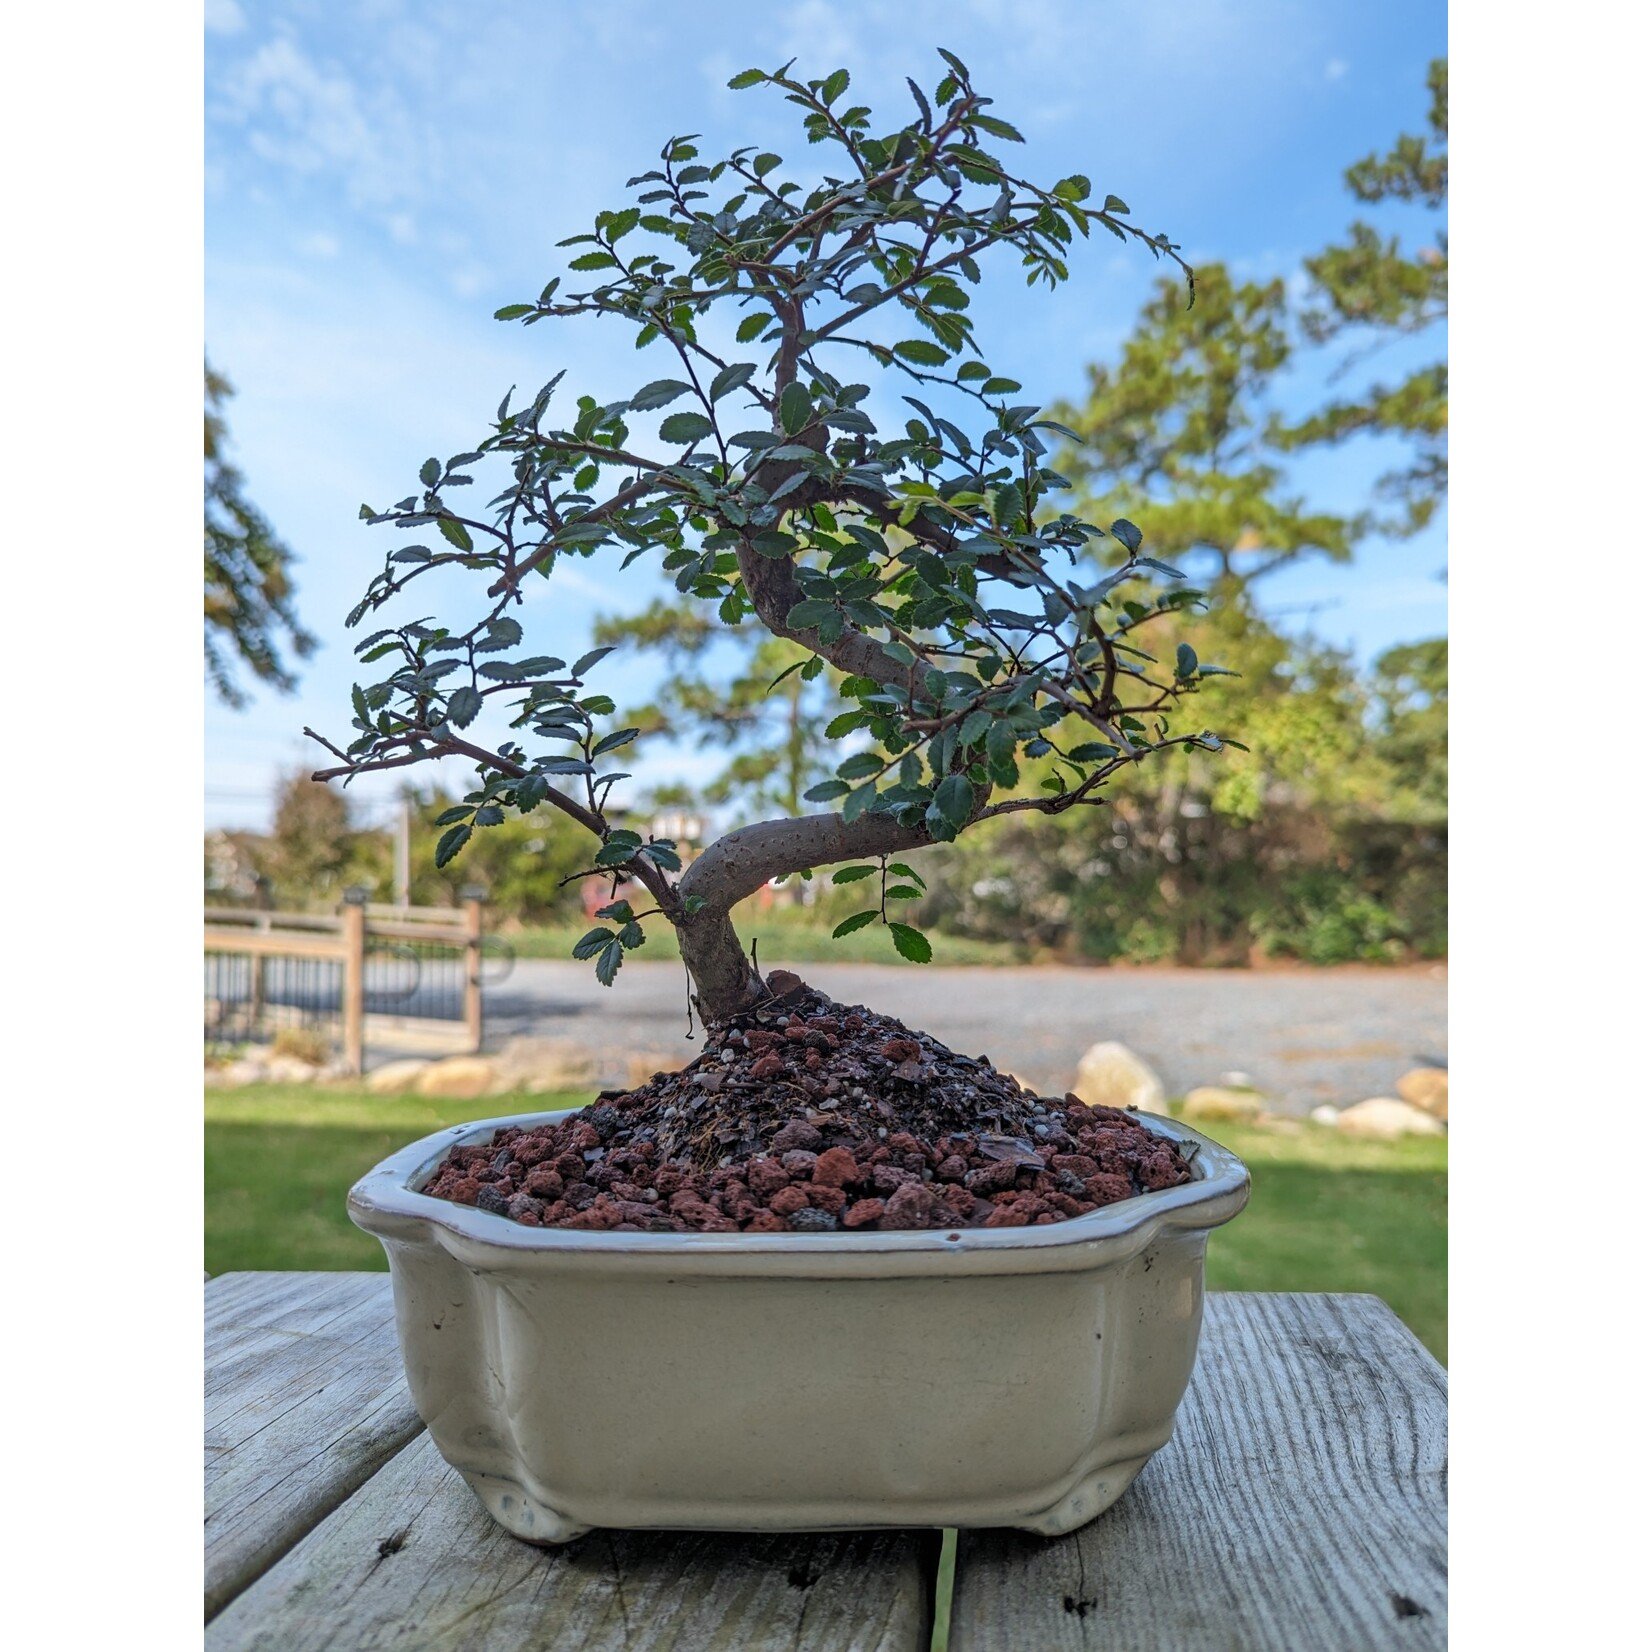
x=725 y=979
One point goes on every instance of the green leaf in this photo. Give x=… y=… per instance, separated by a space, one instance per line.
x=731 y=378
x=902 y=892
x=592 y=261
x=911 y=943
x=462 y=706
x=1187 y=662
x=452 y=841
x=685 y=428
x=826 y=792
x=845 y=722
x=745 y=78
x=809 y=614
x=1114 y=204
x=609 y=961
x=612 y=742
x=430 y=472
x=852 y=874
x=1075 y=188
x=954 y=798
x=586 y=661
x=659 y=394
x=1127 y=534
x=861 y=766
x=455 y=533
x=901 y=870
x=850 y=925
x=1093 y=751
x=796 y=407
x=837 y=83
x=752 y=326
x=512 y=312
x=922 y=352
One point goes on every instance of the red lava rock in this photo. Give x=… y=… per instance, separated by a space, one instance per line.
x=832 y=1200
x=766 y=1177
x=835 y=1167
x=798 y=1134
x=911 y=1205
x=795 y=1110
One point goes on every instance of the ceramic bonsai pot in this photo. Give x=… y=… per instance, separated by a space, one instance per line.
x=775 y=1382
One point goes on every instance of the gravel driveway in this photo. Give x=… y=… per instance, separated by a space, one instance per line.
x=1303 y=1036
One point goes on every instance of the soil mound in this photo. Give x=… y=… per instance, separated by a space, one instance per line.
x=807 y=1115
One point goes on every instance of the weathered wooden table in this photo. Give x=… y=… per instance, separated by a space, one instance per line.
x=1301 y=1505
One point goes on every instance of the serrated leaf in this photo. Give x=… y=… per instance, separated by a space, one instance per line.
x=921 y=352
x=451 y=842
x=731 y=378
x=745 y=78
x=609 y=961
x=852 y=874
x=430 y=472
x=661 y=393
x=1127 y=534
x=826 y=792
x=463 y=704
x=685 y=428
x=752 y=326
x=911 y=943
x=586 y=661
x=1187 y=661
x=954 y=798
x=612 y=742
x=796 y=407
x=849 y=925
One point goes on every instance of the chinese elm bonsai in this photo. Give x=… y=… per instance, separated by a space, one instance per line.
x=927 y=562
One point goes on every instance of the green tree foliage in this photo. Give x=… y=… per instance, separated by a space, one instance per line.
x=316 y=849
x=929 y=563
x=251 y=623
x=760 y=707
x=1177 y=433
x=1367 y=290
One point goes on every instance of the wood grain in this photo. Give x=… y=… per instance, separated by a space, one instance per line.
x=305 y=1400
x=413 y=1562
x=1300 y=1507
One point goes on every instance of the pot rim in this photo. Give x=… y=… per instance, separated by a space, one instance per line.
x=388 y=1203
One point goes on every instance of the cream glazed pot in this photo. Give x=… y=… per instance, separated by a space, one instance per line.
x=788 y=1382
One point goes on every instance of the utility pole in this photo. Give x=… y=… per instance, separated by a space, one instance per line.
x=404 y=852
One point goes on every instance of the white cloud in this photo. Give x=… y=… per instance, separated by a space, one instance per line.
x=310 y=118
x=224 y=17
x=1335 y=70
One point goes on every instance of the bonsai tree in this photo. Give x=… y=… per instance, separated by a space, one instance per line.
x=826 y=455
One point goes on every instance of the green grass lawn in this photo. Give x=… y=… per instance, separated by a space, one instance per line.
x=1326 y=1214
x=783 y=936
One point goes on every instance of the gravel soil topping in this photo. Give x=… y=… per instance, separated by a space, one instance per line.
x=805 y=1115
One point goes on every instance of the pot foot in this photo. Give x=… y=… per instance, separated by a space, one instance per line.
x=1093 y=1495
x=521 y=1513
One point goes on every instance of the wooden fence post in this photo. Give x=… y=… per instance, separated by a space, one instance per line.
x=257 y=986
x=353 y=927
x=473 y=898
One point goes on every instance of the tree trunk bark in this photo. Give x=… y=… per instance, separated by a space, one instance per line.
x=725 y=979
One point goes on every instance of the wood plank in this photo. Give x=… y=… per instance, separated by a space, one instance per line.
x=284 y=943
x=305 y=1399
x=412 y=1562
x=1300 y=1507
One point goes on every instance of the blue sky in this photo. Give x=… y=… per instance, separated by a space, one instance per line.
x=382 y=174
